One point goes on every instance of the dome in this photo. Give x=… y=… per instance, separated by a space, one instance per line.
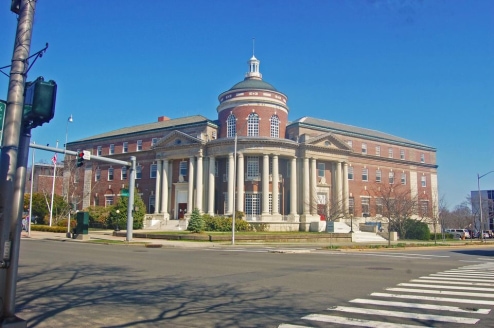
x=253 y=84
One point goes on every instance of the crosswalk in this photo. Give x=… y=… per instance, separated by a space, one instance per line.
x=453 y=298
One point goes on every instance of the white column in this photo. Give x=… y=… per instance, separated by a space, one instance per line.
x=265 y=185
x=199 y=183
x=157 y=198
x=211 y=180
x=230 y=184
x=346 y=192
x=306 y=187
x=339 y=183
x=240 y=183
x=190 y=196
x=164 y=190
x=293 y=187
x=276 y=208
x=313 y=186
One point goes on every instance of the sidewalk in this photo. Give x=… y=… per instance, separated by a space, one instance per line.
x=108 y=235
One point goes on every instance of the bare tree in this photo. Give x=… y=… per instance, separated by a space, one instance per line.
x=330 y=210
x=398 y=205
x=432 y=211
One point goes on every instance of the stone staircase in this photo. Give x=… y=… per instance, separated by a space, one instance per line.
x=358 y=236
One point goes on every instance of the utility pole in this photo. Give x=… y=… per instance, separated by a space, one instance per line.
x=11 y=166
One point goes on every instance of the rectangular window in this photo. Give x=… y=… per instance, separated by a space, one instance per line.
x=424 y=208
x=110 y=174
x=351 y=205
x=216 y=169
x=139 y=145
x=252 y=205
x=154 y=170
x=213 y=135
x=252 y=168
x=379 y=206
x=422 y=158
x=152 y=203
x=288 y=168
x=365 y=174
x=125 y=147
x=98 y=151
x=402 y=153
x=365 y=206
x=139 y=172
x=378 y=175
x=225 y=204
x=364 y=148
x=111 y=150
x=424 y=181
x=321 y=167
x=123 y=174
x=227 y=169
x=349 y=143
x=391 y=177
x=350 y=173
x=403 y=178
x=378 y=150
x=154 y=141
x=270 y=201
x=97 y=175
x=108 y=201
x=183 y=168
x=390 y=152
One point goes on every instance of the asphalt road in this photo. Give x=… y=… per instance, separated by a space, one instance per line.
x=67 y=284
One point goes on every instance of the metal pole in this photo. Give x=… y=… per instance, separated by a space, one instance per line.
x=31 y=198
x=10 y=145
x=16 y=222
x=53 y=185
x=69 y=120
x=130 y=206
x=480 y=209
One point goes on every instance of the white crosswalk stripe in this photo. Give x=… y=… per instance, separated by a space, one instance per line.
x=468 y=287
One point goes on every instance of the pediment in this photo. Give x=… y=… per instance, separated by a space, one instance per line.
x=178 y=139
x=328 y=140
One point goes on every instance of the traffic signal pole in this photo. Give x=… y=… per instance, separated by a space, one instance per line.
x=10 y=166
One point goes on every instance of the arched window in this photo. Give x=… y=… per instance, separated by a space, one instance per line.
x=275 y=126
x=231 y=128
x=253 y=125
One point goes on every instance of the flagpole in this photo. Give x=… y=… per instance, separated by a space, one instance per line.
x=54 y=160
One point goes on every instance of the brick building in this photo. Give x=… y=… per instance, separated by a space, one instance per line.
x=190 y=162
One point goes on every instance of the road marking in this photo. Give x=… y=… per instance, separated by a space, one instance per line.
x=434 y=299
x=287 y=325
x=440 y=292
x=397 y=314
x=356 y=322
x=414 y=254
x=455 y=282
x=419 y=306
x=377 y=254
x=405 y=284
x=466 y=274
x=434 y=276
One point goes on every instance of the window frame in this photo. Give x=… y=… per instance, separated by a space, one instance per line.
x=111 y=149
x=153 y=171
x=231 y=126
x=253 y=125
x=274 y=128
x=139 y=145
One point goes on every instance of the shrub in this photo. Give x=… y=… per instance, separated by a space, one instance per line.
x=40 y=227
x=417 y=230
x=196 y=222
x=224 y=224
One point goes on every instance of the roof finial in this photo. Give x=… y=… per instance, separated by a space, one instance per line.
x=253 y=46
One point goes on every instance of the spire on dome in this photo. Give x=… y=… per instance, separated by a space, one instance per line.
x=253 y=72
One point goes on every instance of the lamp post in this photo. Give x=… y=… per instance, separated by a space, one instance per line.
x=116 y=224
x=480 y=204
x=54 y=161
x=69 y=120
x=351 y=223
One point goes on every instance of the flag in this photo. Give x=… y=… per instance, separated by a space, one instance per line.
x=54 y=159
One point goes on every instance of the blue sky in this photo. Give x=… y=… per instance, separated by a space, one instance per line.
x=421 y=70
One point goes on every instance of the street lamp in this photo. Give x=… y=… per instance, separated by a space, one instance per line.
x=480 y=204
x=116 y=224
x=351 y=223
x=69 y=120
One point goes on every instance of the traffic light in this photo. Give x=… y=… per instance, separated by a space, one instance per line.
x=80 y=159
x=39 y=102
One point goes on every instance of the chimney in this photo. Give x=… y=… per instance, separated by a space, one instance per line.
x=163 y=118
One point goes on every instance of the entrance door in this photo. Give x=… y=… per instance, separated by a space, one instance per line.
x=182 y=209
